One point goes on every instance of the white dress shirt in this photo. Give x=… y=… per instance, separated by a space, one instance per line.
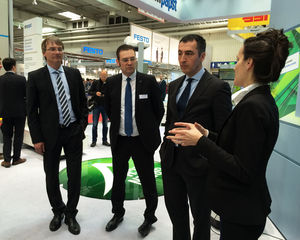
x=239 y=95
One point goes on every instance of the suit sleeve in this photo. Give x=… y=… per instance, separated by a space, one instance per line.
x=33 y=111
x=168 y=117
x=222 y=106
x=107 y=96
x=244 y=162
x=83 y=103
x=157 y=103
x=93 y=89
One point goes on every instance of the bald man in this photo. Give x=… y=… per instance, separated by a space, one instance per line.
x=97 y=91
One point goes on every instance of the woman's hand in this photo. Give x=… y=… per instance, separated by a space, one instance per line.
x=201 y=129
x=187 y=134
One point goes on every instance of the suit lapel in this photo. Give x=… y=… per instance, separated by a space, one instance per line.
x=48 y=82
x=69 y=77
x=177 y=85
x=138 y=85
x=118 y=87
x=199 y=90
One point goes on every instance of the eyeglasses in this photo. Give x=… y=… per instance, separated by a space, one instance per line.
x=125 y=60
x=53 y=49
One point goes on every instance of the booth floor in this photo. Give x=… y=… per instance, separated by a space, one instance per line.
x=25 y=212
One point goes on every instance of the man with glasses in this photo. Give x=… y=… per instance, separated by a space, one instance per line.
x=133 y=104
x=199 y=97
x=57 y=117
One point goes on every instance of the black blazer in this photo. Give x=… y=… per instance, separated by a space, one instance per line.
x=43 y=116
x=148 y=112
x=209 y=105
x=237 y=184
x=98 y=86
x=12 y=95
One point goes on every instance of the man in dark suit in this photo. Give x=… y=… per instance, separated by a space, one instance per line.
x=133 y=104
x=97 y=91
x=13 y=112
x=195 y=97
x=57 y=117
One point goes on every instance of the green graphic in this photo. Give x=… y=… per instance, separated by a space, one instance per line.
x=97 y=179
x=285 y=89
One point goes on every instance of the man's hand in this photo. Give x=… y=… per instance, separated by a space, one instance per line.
x=39 y=147
x=98 y=94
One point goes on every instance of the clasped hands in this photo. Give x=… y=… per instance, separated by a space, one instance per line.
x=187 y=134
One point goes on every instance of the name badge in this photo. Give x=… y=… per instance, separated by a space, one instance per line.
x=143 y=96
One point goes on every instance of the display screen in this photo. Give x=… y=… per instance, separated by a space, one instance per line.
x=285 y=90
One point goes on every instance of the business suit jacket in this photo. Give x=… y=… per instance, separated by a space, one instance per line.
x=209 y=105
x=237 y=185
x=148 y=111
x=98 y=86
x=43 y=115
x=12 y=95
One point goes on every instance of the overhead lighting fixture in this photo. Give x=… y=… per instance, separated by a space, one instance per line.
x=72 y=16
x=34 y=2
x=48 y=29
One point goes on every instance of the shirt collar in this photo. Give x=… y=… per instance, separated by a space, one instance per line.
x=239 y=95
x=197 y=76
x=132 y=76
x=52 y=70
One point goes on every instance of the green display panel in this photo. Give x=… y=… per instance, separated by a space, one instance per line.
x=286 y=88
x=97 y=179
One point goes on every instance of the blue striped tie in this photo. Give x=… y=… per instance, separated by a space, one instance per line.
x=63 y=101
x=128 y=108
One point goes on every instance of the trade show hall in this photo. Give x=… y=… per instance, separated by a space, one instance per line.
x=124 y=84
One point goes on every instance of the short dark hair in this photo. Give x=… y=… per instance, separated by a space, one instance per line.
x=8 y=63
x=201 y=43
x=51 y=39
x=269 y=51
x=124 y=47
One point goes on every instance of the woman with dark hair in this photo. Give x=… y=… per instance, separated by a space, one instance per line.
x=238 y=156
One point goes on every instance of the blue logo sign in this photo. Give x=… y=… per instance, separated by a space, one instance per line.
x=170 y=4
x=111 y=61
x=91 y=50
x=28 y=25
x=141 y=38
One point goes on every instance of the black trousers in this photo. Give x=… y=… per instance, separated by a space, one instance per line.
x=235 y=231
x=182 y=190
x=70 y=139
x=12 y=127
x=144 y=163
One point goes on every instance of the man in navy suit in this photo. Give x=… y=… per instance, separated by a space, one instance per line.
x=199 y=97
x=133 y=104
x=13 y=112
x=57 y=117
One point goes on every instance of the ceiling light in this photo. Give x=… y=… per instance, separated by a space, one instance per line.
x=48 y=29
x=34 y=2
x=72 y=16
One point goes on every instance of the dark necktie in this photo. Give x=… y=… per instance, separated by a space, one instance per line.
x=63 y=101
x=183 y=100
x=128 y=108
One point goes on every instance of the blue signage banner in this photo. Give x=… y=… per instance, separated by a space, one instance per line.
x=92 y=50
x=111 y=61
